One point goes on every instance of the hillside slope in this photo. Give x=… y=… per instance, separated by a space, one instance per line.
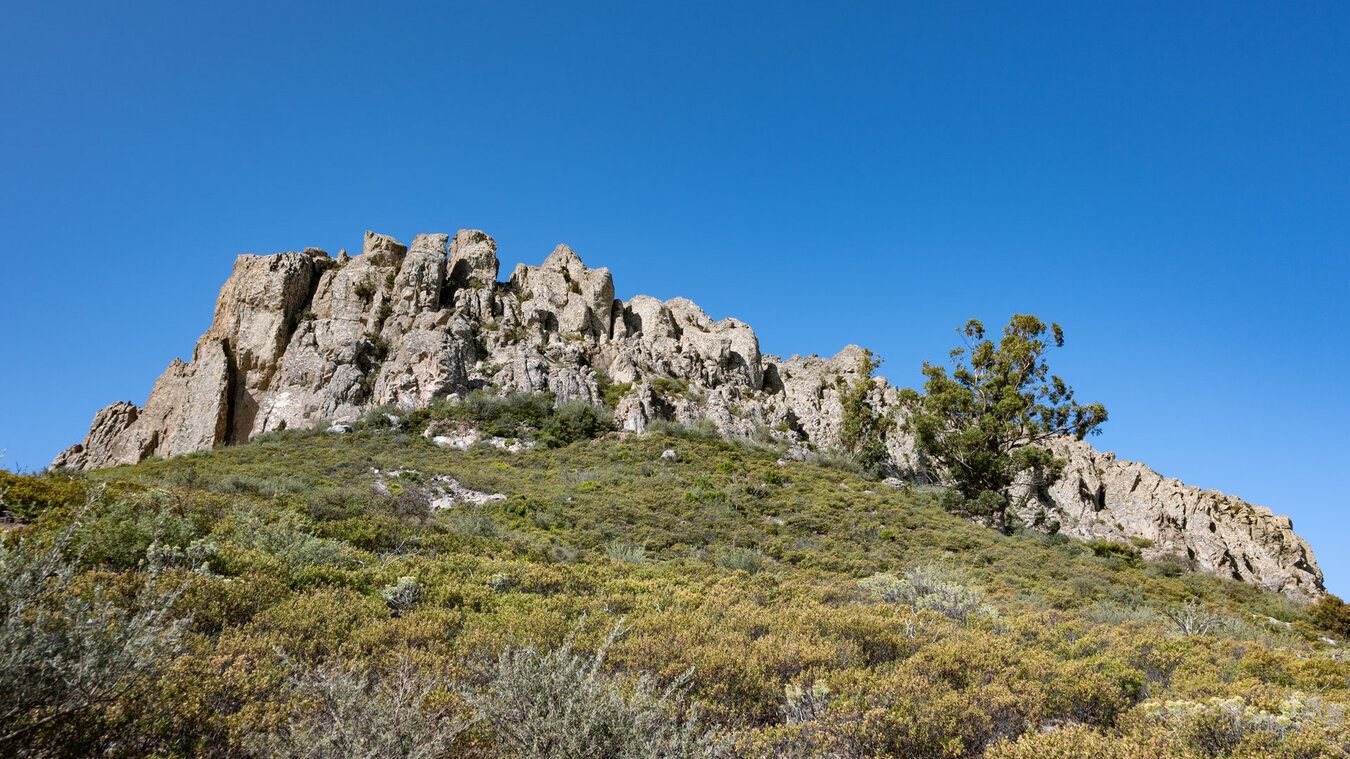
x=299 y=337
x=816 y=612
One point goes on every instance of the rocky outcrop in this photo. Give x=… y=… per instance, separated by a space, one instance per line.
x=302 y=337
x=1102 y=497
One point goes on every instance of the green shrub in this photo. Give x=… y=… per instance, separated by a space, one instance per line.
x=1111 y=549
x=703 y=429
x=117 y=534
x=1332 y=614
x=287 y=539
x=331 y=504
x=1192 y=618
x=1069 y=742
x=27 y=497
x=740 y=559
x=1111 y=613
x=573 y=421
x=472 y=522
x=835 y=460
x=381 y=417
x=614 y=393
x=1170 y=565
x=1222 y=727
x=669 y=386
x=379 y=346
x=510 y=415
x=518 y=415
x=373 y=532
x=265 y=487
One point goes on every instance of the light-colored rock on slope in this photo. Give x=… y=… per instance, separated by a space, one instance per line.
x=1103 y=497
x=299 y=337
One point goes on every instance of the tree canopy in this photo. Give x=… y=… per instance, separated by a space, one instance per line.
x=985 y=423
x=862 y=430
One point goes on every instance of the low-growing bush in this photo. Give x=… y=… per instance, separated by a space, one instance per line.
x=345 y=710
x=116 y=534
x=377 y=417
x=403 y=595
x=1192 y=618
x=1112 y=613
x=473 y=522
x=27 y=497
x=740 y=559
x=835 y=460
x=562 y=704
x=1111 y=549
x=266 y=487
x=518 y=415
x=71 y=653
x=1069 y=742
x=1224 y=727
x=623 y=550
x=931 y=587
x=573 y=421
x=703 y=429
x=509 y=415
x=1332 y=614
x=287 y=539
x=668 y=386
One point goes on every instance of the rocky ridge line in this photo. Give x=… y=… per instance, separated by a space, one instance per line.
x=299 y=337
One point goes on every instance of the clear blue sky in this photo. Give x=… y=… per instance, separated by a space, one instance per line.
x=1169 y=181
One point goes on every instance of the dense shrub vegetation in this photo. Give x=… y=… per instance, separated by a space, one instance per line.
x=535 y=416
x=298 y=596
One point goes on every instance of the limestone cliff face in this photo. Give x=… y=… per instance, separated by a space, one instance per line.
x=299 y=337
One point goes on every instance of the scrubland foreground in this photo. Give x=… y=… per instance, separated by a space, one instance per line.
x=313 y=594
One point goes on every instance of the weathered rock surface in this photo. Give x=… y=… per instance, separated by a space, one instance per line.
x=1102 y=497
x=302 y=337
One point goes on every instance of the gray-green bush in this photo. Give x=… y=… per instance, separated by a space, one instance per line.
x=623 y=550
x=70 y=653
x=288 y=539
x=743 y=559
x=403 y=595
x=561 y=704
x=347 y=711
x=931 y=587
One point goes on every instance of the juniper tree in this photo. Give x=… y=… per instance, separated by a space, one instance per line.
x=986 y=424
x=862 y=431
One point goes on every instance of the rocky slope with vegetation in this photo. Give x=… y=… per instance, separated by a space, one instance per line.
x=303 y=337
x=604 y=593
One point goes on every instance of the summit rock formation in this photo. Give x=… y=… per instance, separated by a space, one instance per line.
x=299 y=337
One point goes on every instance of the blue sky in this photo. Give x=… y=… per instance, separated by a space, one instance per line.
x=1169 y=181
